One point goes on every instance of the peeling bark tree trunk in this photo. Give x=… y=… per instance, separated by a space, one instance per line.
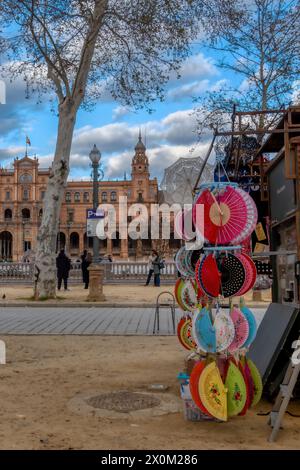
x=47 y=235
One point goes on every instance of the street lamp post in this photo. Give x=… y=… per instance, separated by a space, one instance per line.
x=95 y=157
x=96 y=270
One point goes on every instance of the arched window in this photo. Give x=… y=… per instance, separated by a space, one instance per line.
x=68 y=197
x=8 y=214
x=86 y=197
x=113 y=196
x=74 y=241
x=60 y=241
x=77 y=197
x=25 y=214
x=43 y=194
x=41 y=213
x=104 y=196
x=6 y=246
x=26 y=194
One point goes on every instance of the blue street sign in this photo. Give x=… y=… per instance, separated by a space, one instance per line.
x=92 y=214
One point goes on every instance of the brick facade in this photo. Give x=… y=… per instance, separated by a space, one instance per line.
x=21 y=194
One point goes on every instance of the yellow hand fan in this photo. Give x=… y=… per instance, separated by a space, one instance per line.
x=212 y=392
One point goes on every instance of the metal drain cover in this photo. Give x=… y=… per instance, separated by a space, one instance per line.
x=123 y=401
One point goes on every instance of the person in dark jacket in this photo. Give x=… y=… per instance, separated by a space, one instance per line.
x=86 y=261
x=158 y=264
x=82 y=258
x=63 y=264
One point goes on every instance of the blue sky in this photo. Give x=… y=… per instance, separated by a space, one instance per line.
x=169 y=131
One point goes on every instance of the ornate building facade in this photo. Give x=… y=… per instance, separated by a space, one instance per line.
x=22 y=190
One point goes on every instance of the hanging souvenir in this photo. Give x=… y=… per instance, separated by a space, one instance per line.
x=194 y=385
x=225 y=331
x=204 y=332
x=241 y=328
x=236 y=390
x=225 y=215
x=212 y=392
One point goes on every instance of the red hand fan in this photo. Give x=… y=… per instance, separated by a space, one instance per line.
x=208 y=276
x=194 y=385
x=225 y=215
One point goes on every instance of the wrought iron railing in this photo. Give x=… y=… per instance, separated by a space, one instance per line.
x=115 y=272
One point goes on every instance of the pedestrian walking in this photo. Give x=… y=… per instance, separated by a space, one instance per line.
x=158 y=265
x=150 y=266
x=86 y=261
x=63 y=264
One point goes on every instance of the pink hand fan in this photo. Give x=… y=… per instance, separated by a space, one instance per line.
x=241 y=327
x=225 y=215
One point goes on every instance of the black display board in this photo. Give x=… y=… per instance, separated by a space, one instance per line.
x=280 y=325
x=282 y=193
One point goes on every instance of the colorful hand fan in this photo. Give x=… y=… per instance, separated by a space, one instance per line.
x=225 y=215
x=188 y=295
x=258 y=386
x=249 y=394
x=251 y=218
x=241 y=330
x=232 y=274
x=247 y=374
x=252 y=325
x=194 y=385
x=212 y=392
x=203 y=331
x=250 y=273
x=208 y=276
x=236 y=390
x=187 y=263
x=180 y=261
x=179 y=327
x=225 y=331
x=177 y=291
x=186 y=334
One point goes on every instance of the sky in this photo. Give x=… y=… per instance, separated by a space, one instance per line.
x=169 y=132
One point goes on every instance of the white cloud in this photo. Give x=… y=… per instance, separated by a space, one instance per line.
x=188 y=90
x=197 y=67
x=119 y=112
x=167 y=139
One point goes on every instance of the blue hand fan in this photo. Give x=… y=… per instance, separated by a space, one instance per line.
x=252 y=325
x=204 y=332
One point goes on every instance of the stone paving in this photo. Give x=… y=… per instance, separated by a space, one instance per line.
x=88 y=320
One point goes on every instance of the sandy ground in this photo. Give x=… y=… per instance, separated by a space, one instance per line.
x=117 y=293
x=44 y=373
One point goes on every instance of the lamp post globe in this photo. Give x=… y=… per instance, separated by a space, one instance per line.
x=95 y=155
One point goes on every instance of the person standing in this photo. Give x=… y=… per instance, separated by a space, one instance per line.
x=158 y=264
x=63 y=264
x=86 y=261
x=82 y=258
x=150 y=266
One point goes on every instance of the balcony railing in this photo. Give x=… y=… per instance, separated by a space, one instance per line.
x=115 y=272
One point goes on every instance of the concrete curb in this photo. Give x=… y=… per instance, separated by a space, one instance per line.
x=99 y=304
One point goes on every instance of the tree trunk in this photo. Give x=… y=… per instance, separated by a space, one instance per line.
x=46 y=241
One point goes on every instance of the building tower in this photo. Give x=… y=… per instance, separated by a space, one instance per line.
x=140 y=172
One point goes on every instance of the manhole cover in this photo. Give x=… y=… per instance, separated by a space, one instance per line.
x=123 y=402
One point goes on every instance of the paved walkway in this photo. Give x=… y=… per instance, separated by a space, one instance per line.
x=87 y=321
